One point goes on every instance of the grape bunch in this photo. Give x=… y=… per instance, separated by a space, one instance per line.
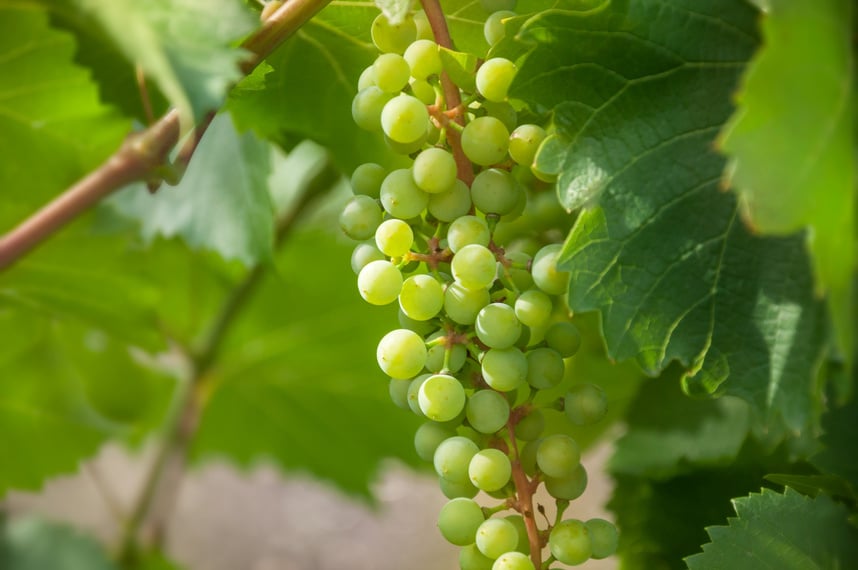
x=483 y=326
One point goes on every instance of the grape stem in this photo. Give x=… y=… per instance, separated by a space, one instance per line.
x=144 y=156
x=435 y=16
x=525 y=490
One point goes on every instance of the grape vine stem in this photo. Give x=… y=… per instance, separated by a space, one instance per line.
x=145 y=155
x=525 y=490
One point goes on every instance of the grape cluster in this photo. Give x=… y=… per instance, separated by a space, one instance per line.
x=483 y=324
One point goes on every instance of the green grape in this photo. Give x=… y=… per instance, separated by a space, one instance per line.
x=401 y=354
x=520 y=275
x=567 y=488
x=564 y=338
x=366 y=79
x=513 y=561
x=405 y=119
x=424 y=28
x=558 y=456
x=545 y=368
x=533 y=308
x=485 y=140
x=400 y=197
x=524 y=141
x=452 y=458
x=429 y=436
x=531 y=426
x=441 y=397
x=363 y=254
x=423 y=328
x=523 y=545
x=527 y=457
x=545 y=272
x=435 y=360
x=496 y=537
x=504 y=369
x=424 y=59
x=406 y=148
x=496 y=324
x=490 y=470
x=474 y=266
x=367 y=178
x=423 y=90
x=413 y=394
x=494 y=77
x=391 y=72
x=468 y=230
x=470 y=558
x=603 y=538
x=462 y=305
x=379 y=282
x=368 y=106
x=389 y=38
x=421 y=297
x=492 y=6
x=451 y=204
x=453 y=490
x=493 y=29
x=569 y=542
x=459 y=520
x=360 y=217
x=487 y=411
x=434 y=170
x=495 y=191
x=394 y=237
x=585 y=404
x=398 y=389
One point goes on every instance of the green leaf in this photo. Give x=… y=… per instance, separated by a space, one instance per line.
x=785 y=531
x=35 y=124
x=813 y=485
x=669 y=434
x=796 y=111
x=460 y=67
x=222 y=202
x=838 y=457
x=640 y=91
x=34 y=544
x=306 y=88
x=297 y=382
x=185 y=46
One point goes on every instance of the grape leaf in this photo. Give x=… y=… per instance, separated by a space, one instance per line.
x=838 y=456
x=35 y=544
x=813 y=485
x=784 y=531
x=36 y=65
x=184 y=45
x=640 y=91
x=669 y=434
x=222 y=202
x=305 y=90
x=795 y=110
x=298 y=383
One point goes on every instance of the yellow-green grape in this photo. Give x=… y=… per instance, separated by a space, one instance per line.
x=423 y=58
x=391 y=72
x=366 y=79
x=567 y=488
x=454 y=490
x=494 y=77
x=496 y=537
x=490 y=470
x=462 y=305
x=545 y=272
x=470 y=558
x=400 y=196
x=545 y=368
x=441 y=397
x=487 y=411
x=368 y=106
x=524 y=142
x=570 y=543
x=493 y=29
x=363 y=254
x=367 y=178
x=452 y=458
x=474 y=266
x=405 y=119
x=533 y=308
x=401 y=353
x=603 y=538
x=485 y=140
x=429 y=436
x=379 y=282
x=497 y=325
x=558 y=455
x=434 y=170
x=421 y=297
x=451 y=204
x=495 y=191
x=459 y=520
x=530 y=427
x=504 y=369
x=468 y=230
x=360 y=217
x=523 y=545
x=390 y=38
x=424 y=28
x=394 y=237
x=423 y=90
x=513 y=561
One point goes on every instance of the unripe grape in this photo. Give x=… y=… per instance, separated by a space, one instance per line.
x=524 y=142
x=564 y=338
x=454 y=490
x=603 y=538
x=545 y=368
x=441 y=397
x=400 y=197
x=530 y=427
x=363 y=254
x=401 y=354
x=497 y=325
x=502 y=111
x=394 y=237
x=366 y=79
x=462 y=305
x=513 y=561
x=504 y=369
x=367 y=178
x=567 y=488
x=429 y=436
x=391 y=72
x=533 y=308
x=487 y=411
x=485 y=140
x=523 y=545
x=451 y=204
x=470 y=558
x=452 y=458
x=421 y=297
x=368 y=106
x=490 y=470
x=405 y=119
x=379 y=282
x=545 y=272
x=467 y=230
x=474 y=266
x=459 y=520
x=585 y=404
x=434 y=170
x=569 y=542
x=437 y=355
x=424 y=91
x=413 y=394
x=493 y=29
x=558 y=456
x=496 y=537
x=495 y=191
x=423 y=58
x=396 y=38
x=494 y=77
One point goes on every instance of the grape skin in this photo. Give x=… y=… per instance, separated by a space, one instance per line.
x=570 y=543
x=441 y=397
x=513 y=561
x=496 y=537
x=434 y=170
x=459 y=520
x=558 y=456
x=394 y=237
x=495 y=191
x=400 y=197
x=474 y=266
x=585 y=404
x=404 y=119
x=494 y=77
x=452 y=458
x=389 y=38
x=496 y=325
x=485 y=141
x=379 y=282
x=490 y=470
x=401 y=353
x=603 y=538
x=487 y=411
x=451 y=204
x=367 y=178
x=421 y=297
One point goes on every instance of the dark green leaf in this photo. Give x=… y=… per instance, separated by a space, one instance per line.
x=795 y=111
x=185 y=46
x=787 y=532
x=813 y=485
x=640 y=90
x=222 y=203
x=838 y=456
x=669 y=434
x=33 y=544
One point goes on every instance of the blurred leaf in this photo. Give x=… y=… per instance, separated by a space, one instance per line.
x=669 y=433
x=34 y=544
x=813 y=485
x=838 y=456
x=639 y=91
x=789 y=531
x=222 y=202
x=297 y=381
x=795 y=111
x=184 y=45
x=35 y=123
